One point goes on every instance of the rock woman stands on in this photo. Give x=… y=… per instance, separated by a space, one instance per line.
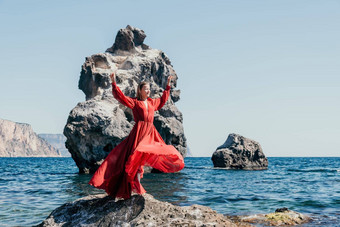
x=122 y=169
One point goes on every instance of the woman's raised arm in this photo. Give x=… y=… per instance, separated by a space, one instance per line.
x=159 y=103
x=119 y=95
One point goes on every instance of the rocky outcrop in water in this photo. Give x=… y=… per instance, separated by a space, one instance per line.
x=101 y=210
x=239 y=152
x=97 y=125
x=19 y=140
x=57 y=141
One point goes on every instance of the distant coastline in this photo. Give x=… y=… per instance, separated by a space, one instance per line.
x=19 y=140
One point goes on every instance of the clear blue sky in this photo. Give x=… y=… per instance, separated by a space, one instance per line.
x=268 y=70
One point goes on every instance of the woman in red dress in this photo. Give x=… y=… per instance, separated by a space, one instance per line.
x=122 y=169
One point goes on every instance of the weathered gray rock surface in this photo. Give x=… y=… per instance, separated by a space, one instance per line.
x=239 y=152
x=101 y=210
x=57 y=141
x=98 y=124
x=19 y=140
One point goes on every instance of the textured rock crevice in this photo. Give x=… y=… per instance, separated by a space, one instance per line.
x=97 y=125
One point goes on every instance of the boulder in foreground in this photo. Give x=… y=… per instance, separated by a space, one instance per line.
x=102 y=210
x=239 y=152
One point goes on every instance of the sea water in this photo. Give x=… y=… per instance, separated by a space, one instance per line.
x=30 y=188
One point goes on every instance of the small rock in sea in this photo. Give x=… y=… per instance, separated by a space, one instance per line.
x=102 y=210
x=239 y=152
x=283 y=209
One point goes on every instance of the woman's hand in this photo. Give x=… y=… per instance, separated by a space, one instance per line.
x=169 y=80
x=113 y=77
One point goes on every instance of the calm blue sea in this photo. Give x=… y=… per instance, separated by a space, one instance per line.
x=30 y=188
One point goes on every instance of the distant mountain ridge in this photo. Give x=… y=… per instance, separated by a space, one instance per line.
x=57 y=141
x=19 y=140
x=189 y=154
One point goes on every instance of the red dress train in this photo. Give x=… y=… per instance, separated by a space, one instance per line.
x=143 y=146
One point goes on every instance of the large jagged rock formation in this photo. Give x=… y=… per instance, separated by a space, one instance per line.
x=239 y=152
x=101 y=210
x=19 y=140
x=97 y=125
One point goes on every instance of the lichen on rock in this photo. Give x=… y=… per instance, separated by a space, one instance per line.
x=281 y=217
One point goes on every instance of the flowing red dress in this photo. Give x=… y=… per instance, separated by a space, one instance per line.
x=143 y=146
